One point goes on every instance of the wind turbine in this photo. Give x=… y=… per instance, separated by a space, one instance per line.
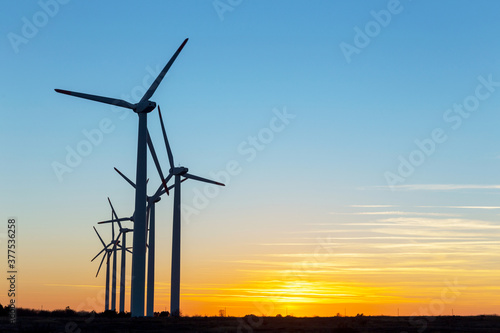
x=123 y=233
x=151 y=201
x=142 y=108
x=106 y=255
x=177 y=173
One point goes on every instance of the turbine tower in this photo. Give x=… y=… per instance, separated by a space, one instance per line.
x=177 y=173
x=142 y=108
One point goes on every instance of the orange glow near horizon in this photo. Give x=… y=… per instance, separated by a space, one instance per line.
x=298 y=298
x=376 y=271
x=301 y=297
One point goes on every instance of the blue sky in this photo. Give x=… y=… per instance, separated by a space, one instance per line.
x=351 y=119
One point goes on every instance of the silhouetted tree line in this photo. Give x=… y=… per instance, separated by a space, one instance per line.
x=68 y=312
x=4 y=311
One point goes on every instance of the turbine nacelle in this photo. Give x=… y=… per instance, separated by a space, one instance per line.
x=154 y=199
x=144 y=107
x=179 y=171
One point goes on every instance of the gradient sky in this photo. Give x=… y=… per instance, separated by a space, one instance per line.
x=379 y=191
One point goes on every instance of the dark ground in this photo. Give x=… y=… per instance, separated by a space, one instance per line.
x=445 y=324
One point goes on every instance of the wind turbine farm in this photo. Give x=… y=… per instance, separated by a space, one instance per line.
x=313 y=167
x=139 y=241
x=144 y=214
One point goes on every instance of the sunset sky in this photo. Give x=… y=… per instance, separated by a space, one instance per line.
x=358 y=142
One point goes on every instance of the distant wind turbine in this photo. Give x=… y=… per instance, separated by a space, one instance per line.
x=107 y=254
x=123 y=232
x=142 y=108
x=150 y=214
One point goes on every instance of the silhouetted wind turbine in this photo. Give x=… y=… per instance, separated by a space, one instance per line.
x=142 y=108
x=177 y=173
x=106 y=255
x=123 y=233
x=151 y=201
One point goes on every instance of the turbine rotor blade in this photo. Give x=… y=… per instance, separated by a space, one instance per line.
x=103 y=244
x=119 y=225
x=169 y=151
x=188 y=175
x=164 y=71
x=107 y=100
x=97 y=255
x=116 y=220
x=115 y=216
x=155 y=159
x=159 y=190
x=170 y=187
x=103 y=257
x=168 y=178
x=117 y=241
x=125 y=177
x=109 y=256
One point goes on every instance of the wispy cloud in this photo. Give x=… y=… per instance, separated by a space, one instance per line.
x=399 y=213
x=462 y=207
x=441 y=223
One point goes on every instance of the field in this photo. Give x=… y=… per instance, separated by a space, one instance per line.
x=368 y=324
